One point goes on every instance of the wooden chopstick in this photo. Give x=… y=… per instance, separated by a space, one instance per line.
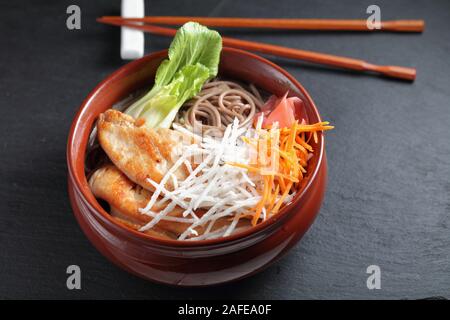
x=310 y=56
x=288 y=24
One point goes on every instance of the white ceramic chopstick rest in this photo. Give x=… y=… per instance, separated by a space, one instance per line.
x=132 y=41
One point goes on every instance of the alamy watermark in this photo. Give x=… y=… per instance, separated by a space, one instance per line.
x=74 y=279
x=374 y=280
x=374 y=20
x=73 y=21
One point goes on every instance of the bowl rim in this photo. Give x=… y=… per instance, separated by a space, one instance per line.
x=81 y=183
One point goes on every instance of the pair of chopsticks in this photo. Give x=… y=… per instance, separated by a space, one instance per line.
x=299 y=24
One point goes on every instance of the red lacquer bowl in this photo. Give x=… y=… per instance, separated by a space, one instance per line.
x=192 y=263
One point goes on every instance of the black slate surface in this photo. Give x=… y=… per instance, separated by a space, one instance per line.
x=388 y=198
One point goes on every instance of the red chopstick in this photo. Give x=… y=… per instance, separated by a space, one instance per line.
x=288 y=24
x=403 y=73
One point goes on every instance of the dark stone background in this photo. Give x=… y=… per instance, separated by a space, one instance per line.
x=388 y=198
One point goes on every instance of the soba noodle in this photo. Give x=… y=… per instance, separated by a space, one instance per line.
x=216 y=106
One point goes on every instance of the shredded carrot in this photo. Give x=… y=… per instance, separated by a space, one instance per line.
x=281 y=161
x=273 y=199
x=301 y=141
x=283 y=196
x=262 y=171
x=282 y=184
x=261 y=204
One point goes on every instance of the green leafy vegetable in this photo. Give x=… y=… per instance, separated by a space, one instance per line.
x=193 y=59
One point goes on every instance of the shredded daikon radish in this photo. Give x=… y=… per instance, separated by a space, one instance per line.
x=187 y=132
x=221 y=190
x=171 y=218
x=232 y=226
x=158 y=217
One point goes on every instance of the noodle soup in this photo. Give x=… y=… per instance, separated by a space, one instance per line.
x=199 y=157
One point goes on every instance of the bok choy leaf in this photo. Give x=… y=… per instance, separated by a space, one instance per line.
x=193 y=59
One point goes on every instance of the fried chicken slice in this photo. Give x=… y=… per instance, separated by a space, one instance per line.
x=140 y=152
x=125 y=198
